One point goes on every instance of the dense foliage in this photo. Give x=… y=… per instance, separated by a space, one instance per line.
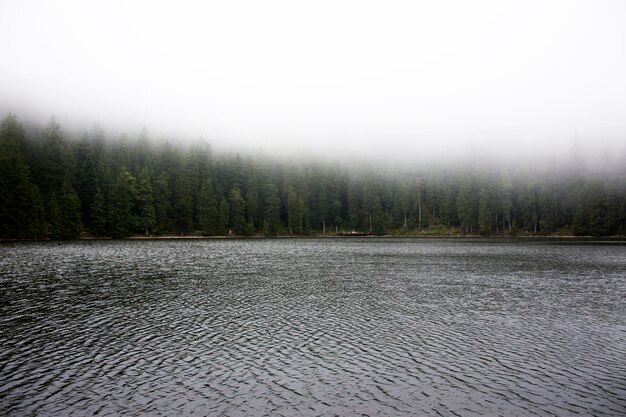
x=58 y=187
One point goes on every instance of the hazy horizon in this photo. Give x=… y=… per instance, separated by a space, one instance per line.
x=399 y=81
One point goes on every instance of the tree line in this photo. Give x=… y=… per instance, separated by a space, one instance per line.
x=55 y=186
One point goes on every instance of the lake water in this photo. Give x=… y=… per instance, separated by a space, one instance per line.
x=313 y=327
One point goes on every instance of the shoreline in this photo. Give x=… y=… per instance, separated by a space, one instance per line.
x=617 y=238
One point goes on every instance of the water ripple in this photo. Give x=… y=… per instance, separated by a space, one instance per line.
x=312 y=327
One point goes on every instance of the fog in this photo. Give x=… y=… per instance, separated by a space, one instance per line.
x=389 y=80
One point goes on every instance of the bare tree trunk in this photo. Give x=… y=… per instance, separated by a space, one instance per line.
x=370 y=222
x=324 y=226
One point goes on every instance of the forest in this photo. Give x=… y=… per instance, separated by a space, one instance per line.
x=64 y=186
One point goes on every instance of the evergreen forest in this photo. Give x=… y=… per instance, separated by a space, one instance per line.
x=63 y=186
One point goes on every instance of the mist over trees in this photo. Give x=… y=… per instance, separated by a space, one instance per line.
x=54 y=185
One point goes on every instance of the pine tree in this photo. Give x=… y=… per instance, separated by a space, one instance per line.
x=237 y=211
x=252 y=201
x=355 y=201
x=54 y=161
x=465 y=204
x=69 y=207
x=506 y=203
x=122 y=206
x=529 y=208
x=272 y=209
x=207 y=209
x=485 y=214
x=54 y=228
x=295 y=205
x=145 y=200
x=87 y=185
x=98 y=214
x=21 y=207
x=182 y=204
x=334 y=195
x=547 y=208
x=403 y=200
x=373 y=211
x=161 y=191
x=323 y=202
x=53 y=171
x=223 y=217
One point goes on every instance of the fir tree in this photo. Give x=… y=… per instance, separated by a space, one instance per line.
x=122 y=206
x=237 y=211
x=272 y=209
x=485 y=214
x=69 y=207
x=223 y=217
x=98 y=214
x=21 y=207
x=145 y=200
x=207 y=209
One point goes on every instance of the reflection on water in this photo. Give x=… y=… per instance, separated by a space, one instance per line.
x=312 y=327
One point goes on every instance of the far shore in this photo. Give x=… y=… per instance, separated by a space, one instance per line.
x=335 y=236
x=416 y=235
x=384 y=236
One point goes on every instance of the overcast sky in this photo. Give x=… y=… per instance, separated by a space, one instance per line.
x=404 y=78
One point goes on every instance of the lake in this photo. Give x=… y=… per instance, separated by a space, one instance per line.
x=353 y=326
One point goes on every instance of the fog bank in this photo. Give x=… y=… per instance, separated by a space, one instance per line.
x=395 y=80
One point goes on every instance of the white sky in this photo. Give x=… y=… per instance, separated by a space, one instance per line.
x=400 y=78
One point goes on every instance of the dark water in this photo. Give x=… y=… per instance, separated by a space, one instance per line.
x=312 y=327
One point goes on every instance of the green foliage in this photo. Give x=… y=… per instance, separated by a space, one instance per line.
x=485 y=215
x=529 y=209
x=548 y=204
x=57 y=187
x=272 y=209
x=54 y=157
x=465 y=204
x=223 y=217
x=87 y=183
x=21 y=206
x=98 y=212
x=207 y=209
x=252 y=201
x=182 y=203
x=69 y=206
x=123 y=220
x=237 y=207
x=145 y=200
x=54 y=226
x=162 y=196
x=295 y=204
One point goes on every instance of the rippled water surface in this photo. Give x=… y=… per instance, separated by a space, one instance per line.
x=312 y=327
